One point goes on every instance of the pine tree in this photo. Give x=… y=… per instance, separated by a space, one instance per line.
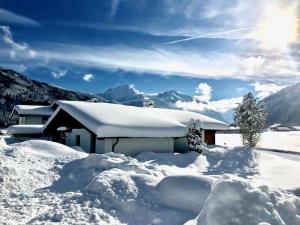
x=250 y=116
x=195 y=138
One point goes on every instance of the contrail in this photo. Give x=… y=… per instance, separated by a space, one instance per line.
x=206 y=35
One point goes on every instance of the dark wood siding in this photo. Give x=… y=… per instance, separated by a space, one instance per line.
x=210 y=137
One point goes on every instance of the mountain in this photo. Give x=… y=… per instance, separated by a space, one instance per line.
x=284 y=106
x=16 y=88
x=128 y=95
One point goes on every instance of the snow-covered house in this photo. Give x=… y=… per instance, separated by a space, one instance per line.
x=29 y=119
x=31 y=114
x=104 y=127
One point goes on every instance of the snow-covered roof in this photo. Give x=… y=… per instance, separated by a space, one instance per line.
x=33 y=110
x=25 y=129
x=113 y=120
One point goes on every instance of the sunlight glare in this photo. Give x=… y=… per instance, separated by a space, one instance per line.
x=277 y=28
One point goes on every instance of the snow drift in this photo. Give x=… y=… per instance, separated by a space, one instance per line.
x=46 y=183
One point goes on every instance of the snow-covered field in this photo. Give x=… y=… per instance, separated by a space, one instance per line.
x=47 y=183
x=289 y=141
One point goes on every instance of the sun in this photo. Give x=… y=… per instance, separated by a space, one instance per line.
x=277 y=28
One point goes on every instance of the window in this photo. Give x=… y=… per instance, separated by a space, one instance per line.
x=77 y=138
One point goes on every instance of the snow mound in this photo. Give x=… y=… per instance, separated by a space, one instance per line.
x=2 y=143
x=234 y=201
x=173 y=159
x=80 y=173
x=47 y=149
x=184 y=192
x=239 y=160
x=115 y=185
x=43 y=182
x=21 y=163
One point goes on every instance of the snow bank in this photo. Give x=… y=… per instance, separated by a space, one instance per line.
x=184 y=192
x=2 y=143
x=21 y=163
x=235 y=201
x=44 y=183
x=175 y=160
x=239 y=160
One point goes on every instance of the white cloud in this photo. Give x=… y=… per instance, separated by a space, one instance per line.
x=221 y=106
x=59 y=74
x=114 y=7
x=192 y=106
x=88 y=77
x=226 y=104
x=265 y=89
x=253 y=65
x=205 y=92
x=13 y=18
x=203 y=101
x=17 y=50
x=182 y=62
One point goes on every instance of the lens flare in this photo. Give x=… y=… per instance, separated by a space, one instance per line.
x=277 y=28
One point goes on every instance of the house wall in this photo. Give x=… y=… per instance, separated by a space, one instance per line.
x=134 y=146
x=180 y=144
x=104 y=145
x=85 y=139
x=30 y=120
x=127 y=146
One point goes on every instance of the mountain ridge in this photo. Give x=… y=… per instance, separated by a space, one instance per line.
x=16 y=88
x=284 y=106
x=128 y=95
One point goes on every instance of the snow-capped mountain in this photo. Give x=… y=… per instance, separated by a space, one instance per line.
x=16 y=88
x=284 y=106
x=129 y=95
x=122 y=92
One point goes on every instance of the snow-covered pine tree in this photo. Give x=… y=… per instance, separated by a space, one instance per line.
x=250 y=116
x=194 y=138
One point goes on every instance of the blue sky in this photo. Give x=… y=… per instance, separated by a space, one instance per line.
x=232 y=46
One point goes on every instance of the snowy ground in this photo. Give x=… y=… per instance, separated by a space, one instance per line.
x=273 y=140
x=47 y=183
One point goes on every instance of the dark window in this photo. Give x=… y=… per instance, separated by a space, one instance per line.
x=77 y=140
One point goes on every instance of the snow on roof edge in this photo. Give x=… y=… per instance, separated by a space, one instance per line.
x=25 y=129
x=32 y=110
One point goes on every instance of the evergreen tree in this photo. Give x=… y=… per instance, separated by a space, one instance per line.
x=250 y=116
x=195 y=138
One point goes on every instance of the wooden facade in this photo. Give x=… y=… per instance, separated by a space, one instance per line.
x=210 y=137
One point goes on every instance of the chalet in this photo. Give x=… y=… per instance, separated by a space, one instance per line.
x=29 y=120
x=31 y=114
x=104 y=127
